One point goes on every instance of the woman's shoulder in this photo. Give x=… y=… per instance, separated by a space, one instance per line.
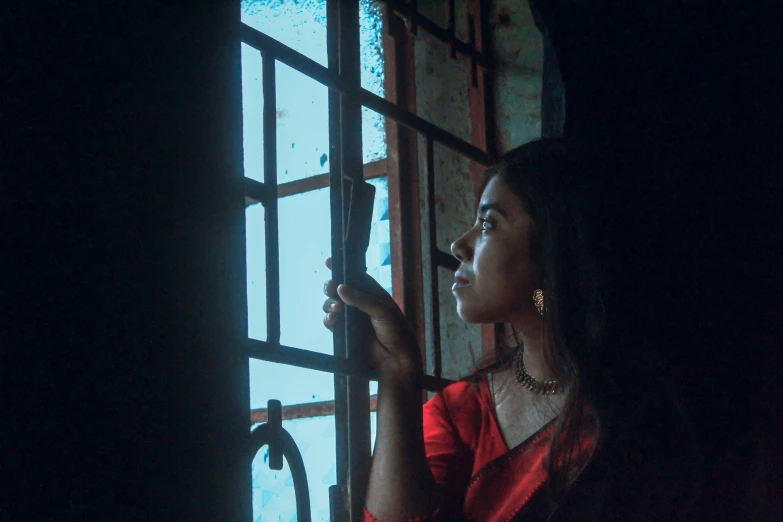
x=462 y=402
x=467 y=389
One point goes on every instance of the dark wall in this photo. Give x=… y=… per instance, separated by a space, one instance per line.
x=124 y=311
x=687 y=97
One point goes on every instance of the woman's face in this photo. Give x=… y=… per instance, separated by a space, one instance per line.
x=496 y=260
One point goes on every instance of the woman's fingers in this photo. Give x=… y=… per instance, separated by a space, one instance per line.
x=332 y=305
x=330 y=289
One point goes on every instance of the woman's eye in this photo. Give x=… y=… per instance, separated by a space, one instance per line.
x=484 y=222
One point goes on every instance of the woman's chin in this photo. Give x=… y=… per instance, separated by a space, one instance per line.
x=471 y=316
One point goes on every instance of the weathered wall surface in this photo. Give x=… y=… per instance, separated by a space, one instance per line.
x=442 y=97
x=519 y=56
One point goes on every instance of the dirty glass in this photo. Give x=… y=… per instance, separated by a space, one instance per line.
x=304 y=230
x=372 y=76
x=299 y=24
x=252 y=113
x=288 y=384
x=302 y=103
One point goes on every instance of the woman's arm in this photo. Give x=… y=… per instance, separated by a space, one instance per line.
x=401 y=485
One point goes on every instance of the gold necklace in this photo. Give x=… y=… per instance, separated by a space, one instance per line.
x=530 y=382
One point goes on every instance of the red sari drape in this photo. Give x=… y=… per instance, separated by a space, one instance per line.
x=480 y=478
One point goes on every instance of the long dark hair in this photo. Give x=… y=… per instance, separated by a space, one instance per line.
x=564 y=187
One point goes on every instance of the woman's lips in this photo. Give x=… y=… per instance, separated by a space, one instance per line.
x=459 y=283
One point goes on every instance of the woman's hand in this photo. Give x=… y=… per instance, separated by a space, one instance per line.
x=392 y=345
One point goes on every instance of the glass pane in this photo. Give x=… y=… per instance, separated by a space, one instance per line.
x=373 y=136
x=371 y=28
x=302 y=125
x=288 y=384
x=252 y=113
x=379 y=251
x=305 y=243
x=301 y=24
x=256 y=271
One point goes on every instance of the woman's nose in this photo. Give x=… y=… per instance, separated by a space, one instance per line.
x=458 y=248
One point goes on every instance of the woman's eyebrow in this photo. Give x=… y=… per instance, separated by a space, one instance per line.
x=488 y=206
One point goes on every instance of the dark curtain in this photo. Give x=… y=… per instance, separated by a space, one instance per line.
x=686 y=98
x=124 y=379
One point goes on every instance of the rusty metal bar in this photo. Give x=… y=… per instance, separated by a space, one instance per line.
x=442 y=259
x=364 y=97
x=472 y=41
x=403 y=168
x=422 y=126
x=256 y=192
x=433 y=245
x=270 y=205
x=304 y=411
x=414 y=18
x=322 y=362
x=281 y=444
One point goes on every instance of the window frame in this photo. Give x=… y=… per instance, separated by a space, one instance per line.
x=411 y=289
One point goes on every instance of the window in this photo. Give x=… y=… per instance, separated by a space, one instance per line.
x=298 y=140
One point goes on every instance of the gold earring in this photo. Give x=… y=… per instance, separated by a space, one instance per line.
x=538 y=299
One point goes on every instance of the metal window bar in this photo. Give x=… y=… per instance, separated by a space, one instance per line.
x=434 y=309
x=264 y=192
x=375 y=169
x=413 y=19
x=304 y=411
x=337 y=82
x=352 y=403
x=270 y=203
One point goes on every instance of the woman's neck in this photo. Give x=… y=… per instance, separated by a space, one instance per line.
x=530 y=339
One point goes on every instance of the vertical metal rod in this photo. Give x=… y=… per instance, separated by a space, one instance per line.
x=338 y=492
x=270 y=206
x=452 y=27
x=388 y=13
x=352 y=394
x=472 y=42
x=403 y=176
x=433 y=243
x=359 y=450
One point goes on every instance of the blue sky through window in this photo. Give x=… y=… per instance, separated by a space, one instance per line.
x=305 y=234
x=302 y=103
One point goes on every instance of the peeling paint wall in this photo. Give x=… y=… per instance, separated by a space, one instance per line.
x=518 y=51
x=442 y=97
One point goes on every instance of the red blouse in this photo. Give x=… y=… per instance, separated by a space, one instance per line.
x=479 y=476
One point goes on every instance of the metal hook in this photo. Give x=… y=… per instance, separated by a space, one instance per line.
x=281 y=444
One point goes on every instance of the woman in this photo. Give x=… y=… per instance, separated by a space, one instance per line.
x=561 y=425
